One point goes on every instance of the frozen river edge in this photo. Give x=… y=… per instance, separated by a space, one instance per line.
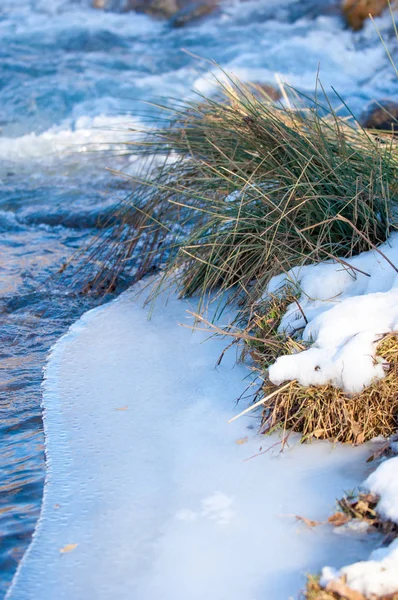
x=148 y=491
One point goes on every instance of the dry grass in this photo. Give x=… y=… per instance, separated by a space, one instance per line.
x=337 y=591
x=263 y=324
x=322 y=412
x=358 y=507
x=326 y=412
x=363 y=507
x=314 y=591
x=247 y=189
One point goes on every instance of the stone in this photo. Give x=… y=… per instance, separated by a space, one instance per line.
x=382 y=115
x=357 y=11
x=269 y=90
x=179 y=12
x=193 y=11
x=156 y=8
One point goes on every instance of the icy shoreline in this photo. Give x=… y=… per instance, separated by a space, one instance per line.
x=148 y=493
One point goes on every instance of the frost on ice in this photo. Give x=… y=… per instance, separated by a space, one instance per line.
x=348 y=307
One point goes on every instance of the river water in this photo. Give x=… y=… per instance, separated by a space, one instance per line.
x=72 y=81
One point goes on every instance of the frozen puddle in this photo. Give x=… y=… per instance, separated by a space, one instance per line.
x=148 y=493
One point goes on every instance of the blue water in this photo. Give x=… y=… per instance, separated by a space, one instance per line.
x=72 y=81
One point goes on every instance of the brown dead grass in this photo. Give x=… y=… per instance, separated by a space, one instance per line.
x=337 y=590
x=358 y=507
x=321 y=412
x=355 y=507
x=264 y=321
x=326 y=412
x=363 y=507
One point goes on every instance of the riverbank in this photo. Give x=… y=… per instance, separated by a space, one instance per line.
x=293 y=207
x=72 y=83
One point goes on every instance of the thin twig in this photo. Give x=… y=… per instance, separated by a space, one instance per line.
x=262 y=401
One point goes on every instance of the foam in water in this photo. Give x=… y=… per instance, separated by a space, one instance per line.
x=86 y=134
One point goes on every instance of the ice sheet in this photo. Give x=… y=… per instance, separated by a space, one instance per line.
x=149 y=494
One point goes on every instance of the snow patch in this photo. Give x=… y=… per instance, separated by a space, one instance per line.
x=348 y=308
x=377 y=576
x=384 y=483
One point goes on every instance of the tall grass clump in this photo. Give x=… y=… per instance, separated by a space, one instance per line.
x=248 y=189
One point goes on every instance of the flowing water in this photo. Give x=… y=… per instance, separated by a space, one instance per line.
x=71 y=84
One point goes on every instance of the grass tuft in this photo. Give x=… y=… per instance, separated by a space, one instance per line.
x=337 y=590
x=314 y=591
x=326 y=412
x=363 y=507
x=263 y=340
x=249 y=189
x=244 y=189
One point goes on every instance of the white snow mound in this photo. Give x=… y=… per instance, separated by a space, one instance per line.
x=348 y=307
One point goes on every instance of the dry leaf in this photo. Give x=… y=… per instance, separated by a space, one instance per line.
x=338 y=519
x=68 y=548
x=379 y=452
x=242 y=441
x=308 y=522
x=360 y=438
x=318 y=433
x=122 y=408
x=339 y=587
x=370 y=498
x=362 y=506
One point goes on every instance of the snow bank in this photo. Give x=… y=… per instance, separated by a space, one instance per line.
x=377 y=576
x=348 y=308
x=384 y=483
x=148 y=491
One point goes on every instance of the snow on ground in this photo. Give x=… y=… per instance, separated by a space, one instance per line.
x=348 y=308
x=149 y=493
x=377 y=576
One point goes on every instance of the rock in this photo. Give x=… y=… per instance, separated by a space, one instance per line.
x=156 y=8
x=269 y=90
x=179 y=11
x=381 y=115
x=193 y=11
x=113 y=5
x=357 y=11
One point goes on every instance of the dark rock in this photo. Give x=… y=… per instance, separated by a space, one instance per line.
x=357 y=11
x=382 y=115
x=268 y=90
x=179 y=11
x=193 y=11
x=155 y=8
